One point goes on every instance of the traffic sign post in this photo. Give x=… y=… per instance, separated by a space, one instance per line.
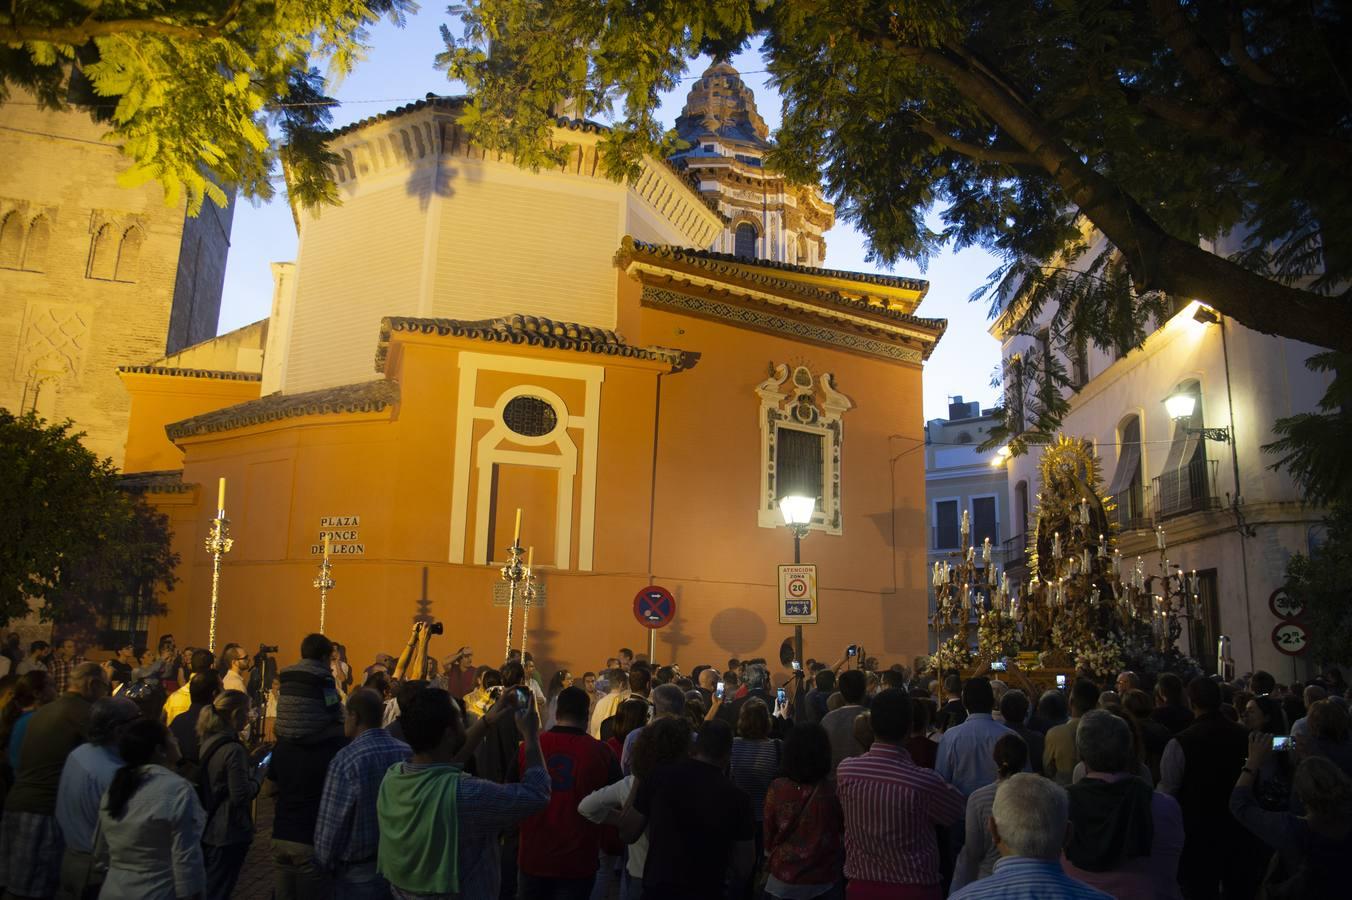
x=654 y=608
x=798 y=595
x=1284 y=606
x=1290 y=638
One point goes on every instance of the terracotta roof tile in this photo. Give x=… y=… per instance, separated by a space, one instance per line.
x=168 y=481
x=734 y=265
x=366 y=396
x=532 y=331
x=176 y=372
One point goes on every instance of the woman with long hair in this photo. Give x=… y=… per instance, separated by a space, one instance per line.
x=151 y=822
x=804 y=856
x=632 y=715
x=1264 y=715
x=978 y=855
x=561 y=679
x=228 y=788
x=663 y=742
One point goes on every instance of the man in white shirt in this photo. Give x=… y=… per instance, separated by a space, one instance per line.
x=608 y=705
x=236 y=677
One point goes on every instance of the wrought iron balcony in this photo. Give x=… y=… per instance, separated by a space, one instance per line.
x=1189 y=489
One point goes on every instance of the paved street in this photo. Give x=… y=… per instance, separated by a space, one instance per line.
x=255 y=882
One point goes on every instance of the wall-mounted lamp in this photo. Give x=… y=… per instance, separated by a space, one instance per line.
x=1180 y=406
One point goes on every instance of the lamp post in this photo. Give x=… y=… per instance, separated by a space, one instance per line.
x=797 y=512
x=1180 y=406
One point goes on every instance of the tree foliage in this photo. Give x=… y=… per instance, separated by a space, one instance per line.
x=202 y=95
x=74 y=542
x=1322 y=582
x=1167 y=124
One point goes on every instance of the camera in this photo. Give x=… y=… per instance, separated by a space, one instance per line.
x=797 y=666
x=436 y=628
x=266 y=648
x=495 y=692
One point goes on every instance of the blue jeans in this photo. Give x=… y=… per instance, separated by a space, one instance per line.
x=534 y=887
x=360 y=881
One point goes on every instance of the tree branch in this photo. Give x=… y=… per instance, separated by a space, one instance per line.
x=87 y=30
x=1239 y=51
x=975 y=151
x=1156 y=259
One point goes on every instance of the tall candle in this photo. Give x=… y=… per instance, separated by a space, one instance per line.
x=1056 y=545
x=516 y=534
x=326 y=546
x=530 y=557
x=1159 y=537
x=220 y=493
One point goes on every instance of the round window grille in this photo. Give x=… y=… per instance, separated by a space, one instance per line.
x=529 y=416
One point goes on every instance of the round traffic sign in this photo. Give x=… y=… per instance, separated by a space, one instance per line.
x=1290 y=638
x=797 y=586
x=654 y=607
x=1284 y=606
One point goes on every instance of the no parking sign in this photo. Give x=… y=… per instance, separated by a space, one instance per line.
x=798 y=595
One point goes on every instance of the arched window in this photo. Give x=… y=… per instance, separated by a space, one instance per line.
x=35 y=253
x=744 y=241
x=11 y=242
x=804 y=251
x=103 y=254
x=129 y=255
x=1128 y=486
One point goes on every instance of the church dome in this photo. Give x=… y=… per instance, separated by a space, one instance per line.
x=721 y=106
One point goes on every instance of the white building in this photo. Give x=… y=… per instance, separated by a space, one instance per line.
x=961 y=478
x=1224 y=512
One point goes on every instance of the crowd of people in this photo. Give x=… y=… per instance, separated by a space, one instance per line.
x=138 y=778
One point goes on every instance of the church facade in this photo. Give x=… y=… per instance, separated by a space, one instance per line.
x=462 y=339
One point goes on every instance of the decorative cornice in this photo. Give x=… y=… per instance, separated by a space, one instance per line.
x=793 y=328
x=364 y=397
x=532 y=331
x=176 y=372
x=726 y=262
x=167 y=481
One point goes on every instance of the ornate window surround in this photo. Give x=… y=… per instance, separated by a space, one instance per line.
x=795 y=398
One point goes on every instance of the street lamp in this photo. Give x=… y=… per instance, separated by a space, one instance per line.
x=797 y=511
x=1180 y=406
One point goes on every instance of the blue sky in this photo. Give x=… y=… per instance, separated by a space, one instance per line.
x=399 y=69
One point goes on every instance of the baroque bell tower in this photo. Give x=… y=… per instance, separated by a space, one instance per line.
x=769 y=217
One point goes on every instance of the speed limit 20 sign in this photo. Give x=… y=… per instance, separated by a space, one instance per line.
x=798 y=595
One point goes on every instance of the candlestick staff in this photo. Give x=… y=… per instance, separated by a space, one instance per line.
x=325 y=583
x=527 y=595
x=513 y=573
x=218 y=543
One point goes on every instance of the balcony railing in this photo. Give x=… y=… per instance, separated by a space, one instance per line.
x=1013 y=552
x=1189 y=489
x=1132 y=512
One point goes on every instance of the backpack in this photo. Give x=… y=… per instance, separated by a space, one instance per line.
x=211 y=800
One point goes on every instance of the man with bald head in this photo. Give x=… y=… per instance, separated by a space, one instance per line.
x=346 y=832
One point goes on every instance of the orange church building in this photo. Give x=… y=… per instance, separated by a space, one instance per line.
x=462 y=339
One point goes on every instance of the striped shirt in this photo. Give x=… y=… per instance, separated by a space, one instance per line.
x=1026 y=878
x=891 y=806
x=346 y=830
x=754 y=765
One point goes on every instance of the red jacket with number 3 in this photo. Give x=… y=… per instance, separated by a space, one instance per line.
x=558 y=842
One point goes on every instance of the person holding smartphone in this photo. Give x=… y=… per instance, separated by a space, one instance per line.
x=418 y=799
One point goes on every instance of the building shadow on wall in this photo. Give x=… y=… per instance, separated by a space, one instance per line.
x=674 y=636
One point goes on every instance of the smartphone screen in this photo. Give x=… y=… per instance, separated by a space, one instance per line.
x=718 y=691
x=852 y=650
x=1060 y=681
x=998 y=666
x=523 y=696
x=1281 y=742
x=783 y=696
x=263 y=763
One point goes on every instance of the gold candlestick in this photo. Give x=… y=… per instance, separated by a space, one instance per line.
x=325 y=583
x=218 y=543
x=512 y=573
x=528 y=594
